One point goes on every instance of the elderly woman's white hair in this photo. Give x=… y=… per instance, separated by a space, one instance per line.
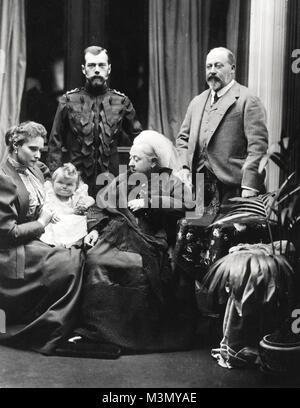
x=164 y=149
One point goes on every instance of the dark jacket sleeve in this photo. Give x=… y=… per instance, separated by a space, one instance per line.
x=131 y=124
x=12 y=233
x=57 y=136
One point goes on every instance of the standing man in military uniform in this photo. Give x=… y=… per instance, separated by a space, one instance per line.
x=89 y=122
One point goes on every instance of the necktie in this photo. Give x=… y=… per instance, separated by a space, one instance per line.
x=216 y=98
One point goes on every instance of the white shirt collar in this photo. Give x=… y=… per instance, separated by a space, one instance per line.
x=223 y=91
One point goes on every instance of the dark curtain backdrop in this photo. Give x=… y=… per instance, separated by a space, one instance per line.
x=12 y=65
x=86 y=24
x=180 y=34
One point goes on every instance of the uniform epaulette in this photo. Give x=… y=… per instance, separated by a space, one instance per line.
x=118 y=93
x=72 y=91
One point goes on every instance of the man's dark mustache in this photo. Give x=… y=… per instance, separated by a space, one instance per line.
x=97 y=77
x=213 y=77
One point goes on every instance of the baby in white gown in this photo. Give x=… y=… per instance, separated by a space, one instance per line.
x=68 y=197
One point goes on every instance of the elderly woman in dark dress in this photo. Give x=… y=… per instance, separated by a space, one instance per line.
x=39 y=284
x=132 y=299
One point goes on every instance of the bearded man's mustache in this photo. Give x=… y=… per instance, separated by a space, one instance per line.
x=213 y=77
x=97 y=77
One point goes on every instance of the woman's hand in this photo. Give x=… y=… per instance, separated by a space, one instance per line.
x=137 y=204
x=46 y=215
x=91 y=239
x=80 y=209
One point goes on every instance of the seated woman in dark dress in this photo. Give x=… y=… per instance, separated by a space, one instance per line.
x=131 y=294
x=39 y=284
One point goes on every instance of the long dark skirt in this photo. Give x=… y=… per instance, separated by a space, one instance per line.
x=130 y=294
x=41 y=308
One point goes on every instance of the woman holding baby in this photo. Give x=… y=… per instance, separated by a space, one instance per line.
x=129 y=298
x=39 y=291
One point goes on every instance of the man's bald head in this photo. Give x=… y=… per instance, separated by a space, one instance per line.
x=220 y=68
x=226 y=52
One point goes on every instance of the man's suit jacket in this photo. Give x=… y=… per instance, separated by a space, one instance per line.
x=14 y=230
x=237 y=136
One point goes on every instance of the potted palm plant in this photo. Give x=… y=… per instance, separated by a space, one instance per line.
x=258 y=281
x=280 y=350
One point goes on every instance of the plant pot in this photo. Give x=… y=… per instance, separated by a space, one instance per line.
x=278 y=357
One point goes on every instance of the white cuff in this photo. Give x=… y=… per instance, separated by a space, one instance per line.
x=250 y=188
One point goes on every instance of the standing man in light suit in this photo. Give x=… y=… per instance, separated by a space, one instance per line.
x=224 y=133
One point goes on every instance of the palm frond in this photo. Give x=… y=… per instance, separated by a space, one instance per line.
x=245 y=218
x=254 y=276
x=282 y=189
x=283 y=278
x=245 y=271
x=266 y=279
x=248 y=210
x=278 y=157
x=280 y=161
x=216 y=278
x=289 y=195
x=285 y=143
x=285 y=215
x=290 y=213
x=254 y=290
